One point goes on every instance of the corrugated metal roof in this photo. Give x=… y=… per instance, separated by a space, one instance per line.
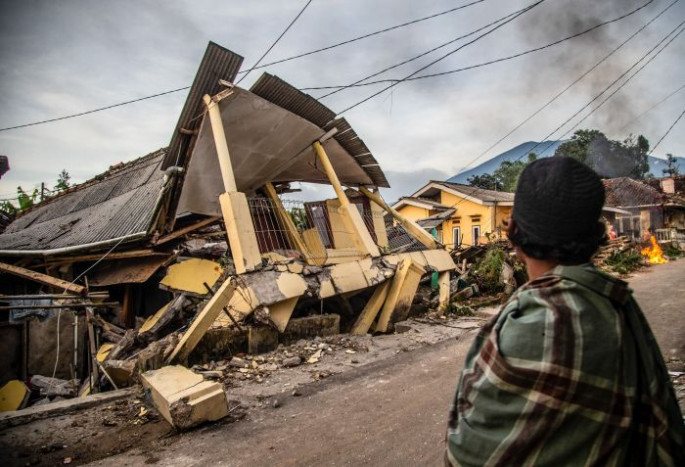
x=275 y=90
x=118 y=203
x=217 y=63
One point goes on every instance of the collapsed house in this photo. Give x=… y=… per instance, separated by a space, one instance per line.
x=194 y=252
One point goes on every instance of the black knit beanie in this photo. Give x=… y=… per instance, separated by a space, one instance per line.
x=558 y=199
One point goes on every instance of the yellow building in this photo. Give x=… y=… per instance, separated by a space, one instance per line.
x=461 y=214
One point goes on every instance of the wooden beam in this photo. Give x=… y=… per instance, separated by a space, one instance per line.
x=409 y=225
x=126 y=317
x=95 y=374
x=370 y=311
x=203 y=321
x=95 y=257
x=185 y=230
x=288 y=223
x=353 y=220
x=42 y=278
x=221 y=144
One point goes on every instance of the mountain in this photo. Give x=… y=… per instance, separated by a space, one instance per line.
x=546 y=149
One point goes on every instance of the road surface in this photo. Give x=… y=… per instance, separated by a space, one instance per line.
x=386 y=414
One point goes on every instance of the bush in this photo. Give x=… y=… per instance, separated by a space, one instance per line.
x=625 y=261
x=672 y=250
x=488 y=270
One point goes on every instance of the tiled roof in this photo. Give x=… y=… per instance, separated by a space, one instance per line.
x=626 y=192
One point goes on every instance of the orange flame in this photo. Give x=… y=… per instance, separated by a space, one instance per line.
x=654 y=253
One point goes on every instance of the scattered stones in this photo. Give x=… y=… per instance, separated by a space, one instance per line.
x=292 y=362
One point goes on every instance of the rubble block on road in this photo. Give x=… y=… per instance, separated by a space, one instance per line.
x=184 y=398
x=310 y=326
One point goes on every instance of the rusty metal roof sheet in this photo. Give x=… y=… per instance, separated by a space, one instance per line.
x=626 y=192
x=217 y=63
x=116 y=204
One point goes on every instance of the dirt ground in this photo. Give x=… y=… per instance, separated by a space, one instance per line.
x=362 y=401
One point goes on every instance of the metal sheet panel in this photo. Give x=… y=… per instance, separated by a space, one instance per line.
x=118 y=203
x=217 y=63
x=129 y=271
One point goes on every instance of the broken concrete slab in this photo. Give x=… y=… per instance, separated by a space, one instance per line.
x=13 y=396
x=191 y=276
x=184 y=398
x=402 y=290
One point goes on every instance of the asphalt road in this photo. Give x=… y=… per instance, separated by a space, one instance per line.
x=390 y=413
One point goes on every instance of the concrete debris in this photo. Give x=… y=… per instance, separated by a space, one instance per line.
x=183 y=398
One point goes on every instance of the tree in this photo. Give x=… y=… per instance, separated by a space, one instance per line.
x=485 y=181
x=671 y=169
x=63 y=180
x=505 y=177
x=607 y=157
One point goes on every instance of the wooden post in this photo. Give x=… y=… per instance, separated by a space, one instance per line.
x=221 y=144
x=203 y=321
x=288 y=223
x=126 y=313
x=444 y=293
x=351 y=216
x=409 y=225
x=95 y=373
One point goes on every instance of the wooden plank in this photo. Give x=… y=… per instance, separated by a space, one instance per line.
x=370 y=311
x=203 y=321
x=287 y=221
x=95 y=257
x=187 y=229
x=95 y=375
x=42 y=278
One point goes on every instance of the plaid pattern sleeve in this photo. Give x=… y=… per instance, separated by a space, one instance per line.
x=568 y=373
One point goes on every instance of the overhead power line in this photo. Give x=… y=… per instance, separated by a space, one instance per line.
x=667 y=131
x=576 y=81
x=654 y=106
x=133 y=101
x=275 y=42
x=662 y=41
x=360 y=83
x=366 y=36
x=439 y=59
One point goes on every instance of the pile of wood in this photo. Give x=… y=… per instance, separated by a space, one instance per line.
x=617 y=245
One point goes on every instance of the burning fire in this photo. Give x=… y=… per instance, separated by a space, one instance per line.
x=654 y=253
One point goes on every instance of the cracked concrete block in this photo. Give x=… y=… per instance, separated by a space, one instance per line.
x=184 y=398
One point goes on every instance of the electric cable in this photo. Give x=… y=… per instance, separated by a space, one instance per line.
x=490 y=62
x=365 y=36
x=275 y=42
x=654 y=106
x=503 y=23
x=667 y=132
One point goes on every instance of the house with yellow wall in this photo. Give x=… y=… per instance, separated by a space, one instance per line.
x=462 y=215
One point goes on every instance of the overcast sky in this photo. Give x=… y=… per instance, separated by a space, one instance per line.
x=59 y=57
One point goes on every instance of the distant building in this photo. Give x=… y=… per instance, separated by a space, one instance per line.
x=462 y=215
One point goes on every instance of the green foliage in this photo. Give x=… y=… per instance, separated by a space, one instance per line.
x=672 y=250
x=505 y=177
x=8 y=207
x=63 y=180
x=489 y=269
x=671 y=169
x=486 y=181
x=624 y=262
x=607 y=157
x=299 y=217
x=457 y=310
x=25 y=200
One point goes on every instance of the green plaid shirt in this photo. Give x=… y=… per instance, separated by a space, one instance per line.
x=568 y=373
